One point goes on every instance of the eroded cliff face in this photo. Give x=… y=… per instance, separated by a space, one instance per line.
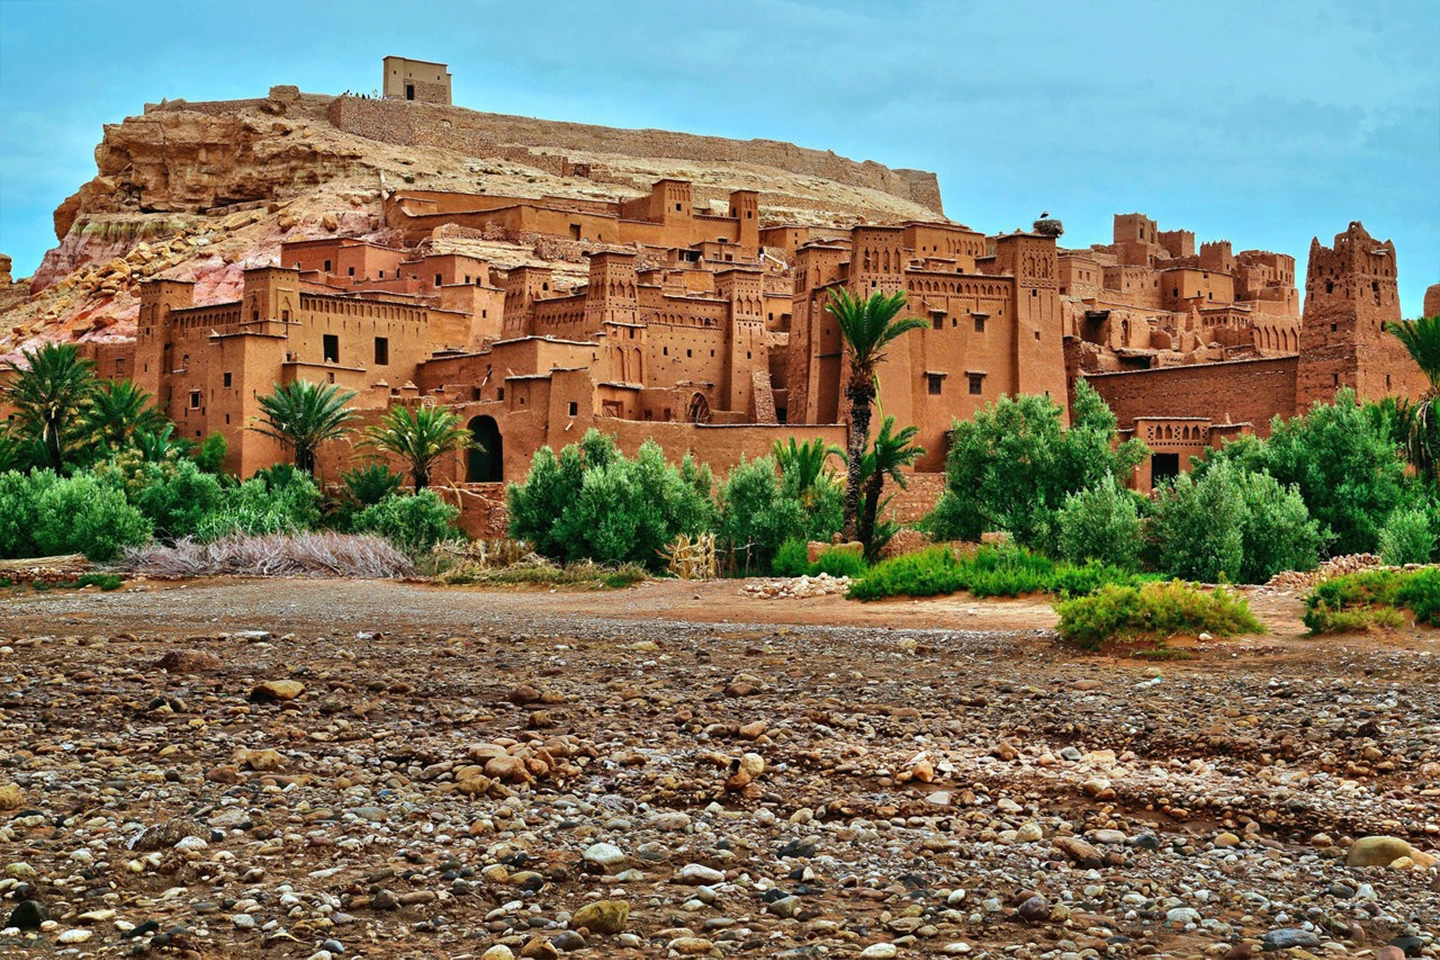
x=200 y=191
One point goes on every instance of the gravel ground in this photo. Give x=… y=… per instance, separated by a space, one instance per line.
x=324 y=768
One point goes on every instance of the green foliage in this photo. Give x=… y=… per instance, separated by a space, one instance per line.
x=890 y=451
x=1407 y=537
x=1343 y=460
x=414 y=523
x=81 y=514
x=52 y=393
x=371 y=483
x=805 y=465
x=1157 y=609
x=792 y=559
x=418 y=437
x=211 y=455
x=1371 y=598
x=1227 y=524
x=991 y=571
x=117 y=411
x=1101 y=523
x=280 y=499
x=1013 y=464
x=839 y=563
x=174 y=493
x=591 y=502
x=303 y=415
x=18 y=494
x=757 y=516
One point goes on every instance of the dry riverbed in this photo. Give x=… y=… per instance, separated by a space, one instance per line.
x=338 y=768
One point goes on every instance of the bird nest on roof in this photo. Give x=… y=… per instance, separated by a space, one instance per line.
x=1049 y=227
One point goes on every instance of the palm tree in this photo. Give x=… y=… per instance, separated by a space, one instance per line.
x=419 y=436
x=51 y=394
x=804 y=464
x=1420 y=420
x=890 y=452
x=119 y=410
x=303 y=415
x=867 y=327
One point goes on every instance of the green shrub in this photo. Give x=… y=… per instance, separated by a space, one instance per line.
x=80 y=514
x=105 y=581
x=1407 y=538
x=414 y=523
x=792 y=559
x=279 y=500
x=18 y=494
x=757 y=516
x=1101 y=523
x=370 y=484
x=177 y=496
x=1011 y=466
x=1157 y=609
x=1226 y=524
x=591 y=502
x=211 y=454
x=839 y=563
x=990 y=572
x=1359 y=601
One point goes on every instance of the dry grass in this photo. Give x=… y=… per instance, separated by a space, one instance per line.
x=324 y=554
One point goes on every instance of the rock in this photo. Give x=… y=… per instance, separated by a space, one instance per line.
x=785 y=907
x=1227 y=840
x=691 y=947
x=1182 y=915
x=1377 y=852
x=603 y=916
x=498 y=952
x=276 y=691
x=333 y=946
x=879 y=951
x=10 y=797
x=696 y=874
x=568 y=941
x=1287 y=938
x=1079 y=851
x=28 y=915
x=188 y=661
x=507 y=769
x=1411 y=946
x=540 y=948
x=74 y=936
x=1029 y=832
x=604 y=855
x=1034 y=909
x=1389 y=952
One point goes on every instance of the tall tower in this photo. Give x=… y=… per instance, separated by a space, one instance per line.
x=1037 y=338
x=1350 y=294
x=153 y=343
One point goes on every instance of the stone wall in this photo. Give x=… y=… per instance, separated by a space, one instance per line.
x=1241 y=391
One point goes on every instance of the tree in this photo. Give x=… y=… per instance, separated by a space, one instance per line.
x=419 y=436
x=51 y=394
x=887 y=455
x=118 y=411
x=1420 y=419
x=867 y=327
x=805 y=465
x=302 y=415
x=1011 y=466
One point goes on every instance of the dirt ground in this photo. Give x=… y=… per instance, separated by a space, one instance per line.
x=458 y=771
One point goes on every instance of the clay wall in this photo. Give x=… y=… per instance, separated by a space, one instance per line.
x=1242 y=391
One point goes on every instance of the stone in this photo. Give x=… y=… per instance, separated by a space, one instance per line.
x=604 y=854
x=568 y=941
x=540 y=948
x=276 y=691
x=695 y=874
x=1389 y=952
x=1227 y=840
x=10 y=797
x=879 y=951
x=74 y=936
x=1079 y=851
x=1034 y=909
x=188 y=661
x=691 y=947
x=28 y=915
x=1287 y=938
x=607 y=917
x=498 y=952
x=1182 y=915
x=1377 y=851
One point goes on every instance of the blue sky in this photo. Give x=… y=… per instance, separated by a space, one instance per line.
x=1262 y=123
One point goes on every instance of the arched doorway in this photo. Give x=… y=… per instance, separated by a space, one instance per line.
x=485 y=463
x=699 y=411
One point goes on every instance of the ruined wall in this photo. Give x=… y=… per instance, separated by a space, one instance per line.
x=1240 y=391
x=479 y=134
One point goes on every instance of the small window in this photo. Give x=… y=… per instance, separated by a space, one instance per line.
x=934 y=384
x=331 y=347
x=351 y=271
x=689 y=353
x=438 y=279
x=979 y=324
x=677 y=206
x=194 y=399
x=977 y=384
x=327 y=266
x=937 y=321
x=500 y=393
x=382 y=351
x=574 y=408
x=227 y=379
x=285 y=315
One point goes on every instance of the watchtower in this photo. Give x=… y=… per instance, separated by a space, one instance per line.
x=422 y=80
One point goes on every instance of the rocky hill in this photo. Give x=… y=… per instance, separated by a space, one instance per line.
x=199 y=191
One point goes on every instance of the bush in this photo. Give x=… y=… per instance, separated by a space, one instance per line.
x=326 y=554
x=1371 y=598
x=277 y=501
x=991 y=571
x=792 y=559
x=18 y=493
x=82 y=515
x=177 y=496
x=1227 y=524
x=1101 y=523
x=370 y=484
x=211 y=454
x=1342 y=458
x=414 y=523
x=592 y=502
x=758 y=516
x=839 y=563
x=1407 y=538
x=1159 y=610
x=1012 y=465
